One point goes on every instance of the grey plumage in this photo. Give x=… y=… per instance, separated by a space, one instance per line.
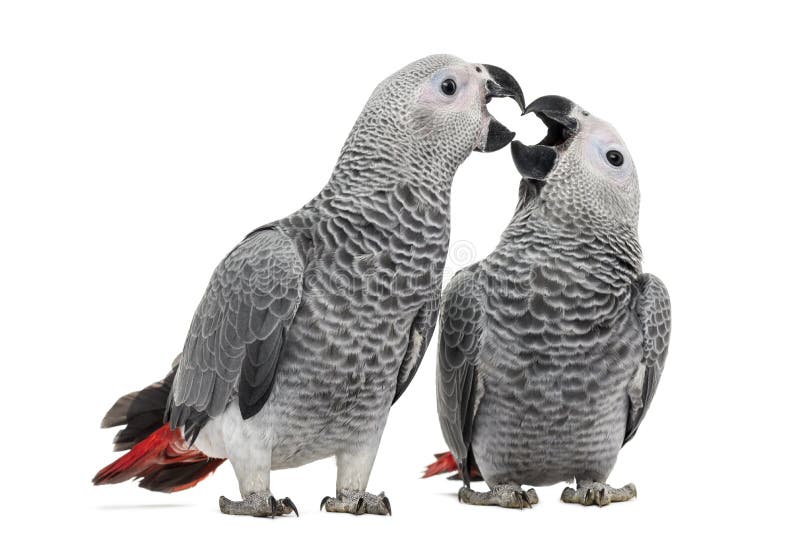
x=652 y=307
x=316 y=323
x=551 y=348
x=238 y=331
x=459 y=389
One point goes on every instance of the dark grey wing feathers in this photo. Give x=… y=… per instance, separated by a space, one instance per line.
x=238 y=331
x=652 y=307
x=457 y=379
x=258 y=372
x=421 y=331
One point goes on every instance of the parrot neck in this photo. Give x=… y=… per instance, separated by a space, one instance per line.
x=612 y=250
x=366 y=167
x=543 y=219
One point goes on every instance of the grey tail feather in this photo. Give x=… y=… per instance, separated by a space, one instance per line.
x=141 y=412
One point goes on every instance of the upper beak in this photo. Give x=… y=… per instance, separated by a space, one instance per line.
x=500 y=84
x=554 y=109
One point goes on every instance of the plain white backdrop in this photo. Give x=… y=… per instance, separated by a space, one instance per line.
x=139 y=141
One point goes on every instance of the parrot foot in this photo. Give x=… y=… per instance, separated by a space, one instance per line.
x=593 y=493
x=258 y=504
x=357 y=503
x=507 y=495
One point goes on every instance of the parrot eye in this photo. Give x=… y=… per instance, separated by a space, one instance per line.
x=449 y=86
x=614 y=158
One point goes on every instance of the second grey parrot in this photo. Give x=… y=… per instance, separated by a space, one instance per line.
x=314 y=325
x=552 y=347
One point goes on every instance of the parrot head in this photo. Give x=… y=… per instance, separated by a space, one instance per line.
x=440 y=101
x=581 y=171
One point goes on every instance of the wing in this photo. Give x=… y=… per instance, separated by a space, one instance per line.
x=421 y=331
x=652 y=307
x=238 y=331
x=457 y=385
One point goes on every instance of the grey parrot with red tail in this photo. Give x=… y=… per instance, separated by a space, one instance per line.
x=314 y=325
x=552 y=347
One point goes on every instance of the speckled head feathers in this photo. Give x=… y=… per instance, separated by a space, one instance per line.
x=435 y=108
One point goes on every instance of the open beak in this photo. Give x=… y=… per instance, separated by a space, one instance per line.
x=499 y=84
x=537 y=161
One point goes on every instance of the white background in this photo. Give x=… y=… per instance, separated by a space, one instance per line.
x=139 y=141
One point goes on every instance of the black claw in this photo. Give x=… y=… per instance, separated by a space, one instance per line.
x=290 y=504
x=359 y=505
x=273 y=506
x=324 y=501
x=586 y=496
x=387 y=505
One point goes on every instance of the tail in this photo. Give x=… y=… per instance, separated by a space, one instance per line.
x=445 y=462
x=158 y=456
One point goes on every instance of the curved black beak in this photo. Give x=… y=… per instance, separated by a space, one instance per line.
x=537 y=161
x=502 y=84
x=554 y=109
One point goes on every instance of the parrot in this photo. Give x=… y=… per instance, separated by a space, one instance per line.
x=314 y=325
x=551 y=347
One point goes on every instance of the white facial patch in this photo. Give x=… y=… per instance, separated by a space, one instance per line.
x=602 y=147
x=433 y=93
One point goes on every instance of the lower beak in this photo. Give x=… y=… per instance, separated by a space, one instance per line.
x=533 y=161
x=497 y=137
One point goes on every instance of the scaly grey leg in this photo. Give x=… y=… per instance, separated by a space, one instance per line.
x=509 y=495
x=594 y=493
x=259 y=504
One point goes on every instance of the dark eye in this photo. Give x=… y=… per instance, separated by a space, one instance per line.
x=449 y=86
x=614 y=158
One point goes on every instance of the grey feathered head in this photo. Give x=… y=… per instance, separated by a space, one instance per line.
x=581 y=172
x=437 y=106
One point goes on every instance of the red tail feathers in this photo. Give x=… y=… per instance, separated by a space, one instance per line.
x=162 y=461
x=445 y=462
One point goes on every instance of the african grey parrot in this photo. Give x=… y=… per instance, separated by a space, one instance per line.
x=551 y=348
x=314 y=325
